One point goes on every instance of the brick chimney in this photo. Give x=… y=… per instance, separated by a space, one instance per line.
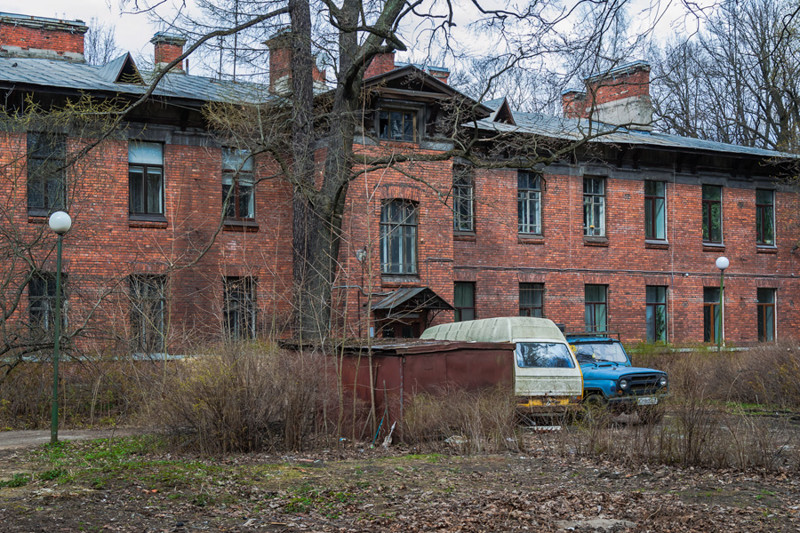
x=440 y=73
x=280 y=64
x=380 y=64
x=168 y=47
x=26 y=36
x=620 y=96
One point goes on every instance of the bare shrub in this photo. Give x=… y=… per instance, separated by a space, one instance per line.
x=96 y=393
x=467 y=421
x=767 y=374
x=248 y=397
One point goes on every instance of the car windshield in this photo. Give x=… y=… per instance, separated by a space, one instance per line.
x=600 y=352
x=543 y=355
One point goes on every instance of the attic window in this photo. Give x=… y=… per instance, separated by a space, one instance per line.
x=398 y=125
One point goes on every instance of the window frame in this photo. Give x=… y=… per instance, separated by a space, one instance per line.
x=145 y=170
x=529 y=203
x=463 y=199
x=239 y=312
x=406 y=232
x=148 y=328
x=711 y=308
x=239 y=177
x=41 y=305
x=766 y=312
x=594 y=206
x=390 y=110
x=460 y=310
x=765 y=217
x=652 y=307
x=652 y=201
x=708 y=214
x=527 y=308
x=41 y=174
x=592 y=307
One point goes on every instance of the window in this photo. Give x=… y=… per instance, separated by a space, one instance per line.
x=146 y=177
x=397 y=125
x=531 y=299
x=463 y=198
x=765 y=217
x=656 y=313
x=543 y=355
x=529 y=203
x=399 y=237
x=147 y=313
x=594 y=207
x=238 y=200
x=42 y=300
x=464 y=297
x=596 y=312
x=766 y=314
x=711 y=314
x=712 y=214
x=47 y=185
x=655 y=216
x=240 y=308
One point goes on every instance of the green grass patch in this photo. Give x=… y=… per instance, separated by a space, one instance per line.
x=17 y=480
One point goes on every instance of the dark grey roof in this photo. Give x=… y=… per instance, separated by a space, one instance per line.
x=576 y=129
x=418 y=297
x=53 y=73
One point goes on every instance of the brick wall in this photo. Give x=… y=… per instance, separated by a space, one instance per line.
x=24 y=36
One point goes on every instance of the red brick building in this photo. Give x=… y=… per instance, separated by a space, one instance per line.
x=178 y=239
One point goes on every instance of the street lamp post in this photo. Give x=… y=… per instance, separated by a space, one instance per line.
x=60 y=223
x=722 y=263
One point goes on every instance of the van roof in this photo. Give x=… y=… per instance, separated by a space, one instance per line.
x=502 y=329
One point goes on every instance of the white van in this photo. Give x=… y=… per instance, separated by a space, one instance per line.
x=546 y=373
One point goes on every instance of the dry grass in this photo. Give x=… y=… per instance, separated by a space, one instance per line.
x=467 y=421
x=248 y=397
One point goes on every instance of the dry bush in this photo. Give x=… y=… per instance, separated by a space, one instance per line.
x=767 y=374
x=96 y=393
x=248 y=397
x=467 y=421
x=696 y=432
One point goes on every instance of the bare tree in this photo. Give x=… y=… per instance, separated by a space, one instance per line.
x=99 y=43
x=738 y=81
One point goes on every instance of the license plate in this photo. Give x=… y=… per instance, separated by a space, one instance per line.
x=647 y=400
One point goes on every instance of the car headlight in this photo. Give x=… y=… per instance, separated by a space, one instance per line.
x=663 y=382
x=623 y=384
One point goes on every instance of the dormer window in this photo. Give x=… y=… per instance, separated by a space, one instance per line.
x=398 y=125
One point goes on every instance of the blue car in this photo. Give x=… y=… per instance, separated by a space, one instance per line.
x=610 y=380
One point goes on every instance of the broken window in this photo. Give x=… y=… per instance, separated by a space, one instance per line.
x=397 y=125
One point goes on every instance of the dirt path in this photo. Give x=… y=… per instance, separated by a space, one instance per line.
x=11 y=440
